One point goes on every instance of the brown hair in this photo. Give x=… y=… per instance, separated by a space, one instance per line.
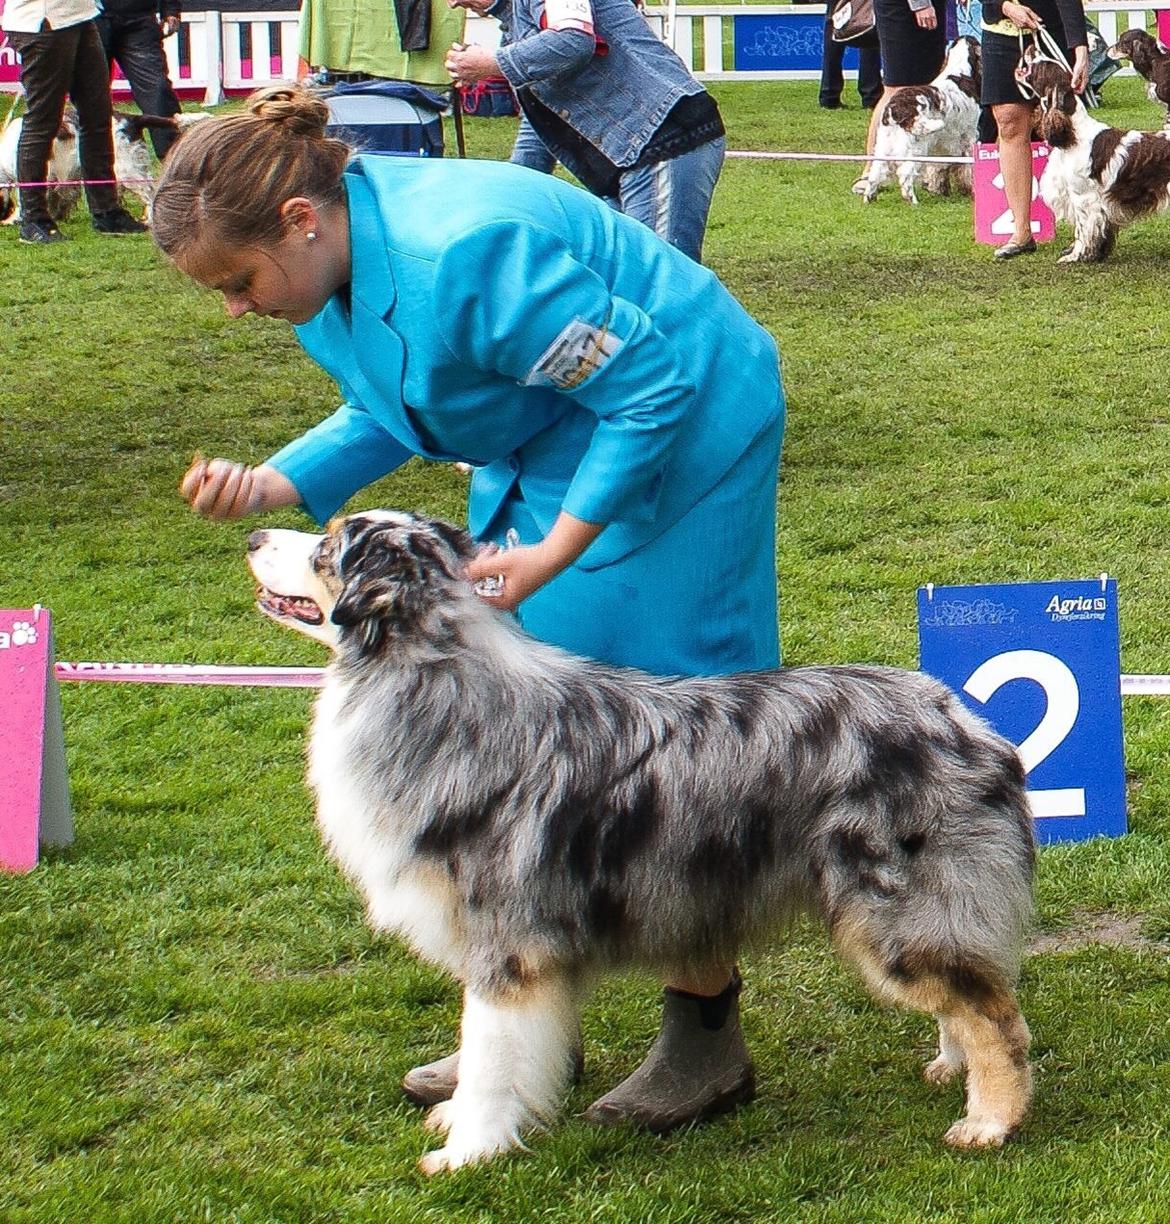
x=226 y=178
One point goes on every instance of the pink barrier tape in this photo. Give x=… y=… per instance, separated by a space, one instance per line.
x=846 y=157
x=8 y=184
x=1145 y=686
x=192 y=673
x=313 y=677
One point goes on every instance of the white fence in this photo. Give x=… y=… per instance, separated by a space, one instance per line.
x=216 y=53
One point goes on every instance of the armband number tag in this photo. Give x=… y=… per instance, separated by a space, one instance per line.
x=575 y=355
x=568 y=15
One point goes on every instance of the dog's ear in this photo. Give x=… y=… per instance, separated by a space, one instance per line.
x=391 y=575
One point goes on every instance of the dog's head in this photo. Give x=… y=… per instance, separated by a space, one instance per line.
x=1057 y=109
x=963 y=64
x=1140 y=48
x=370 y=578
x=1036 y=74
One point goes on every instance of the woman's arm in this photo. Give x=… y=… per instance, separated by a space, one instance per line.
x=320 y=470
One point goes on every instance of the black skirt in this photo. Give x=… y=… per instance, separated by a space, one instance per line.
x=1001 y=54
x=910 y=54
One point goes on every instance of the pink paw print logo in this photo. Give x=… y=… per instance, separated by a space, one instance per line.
x=23 y=634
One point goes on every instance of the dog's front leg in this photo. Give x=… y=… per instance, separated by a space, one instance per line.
x=515 y=1059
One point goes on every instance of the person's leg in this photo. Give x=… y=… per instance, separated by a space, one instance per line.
x=1014 y=120
x=673 y=197
x=90 y=90
x=869 y=76
x=529 y=150
x=46 y=64
x=144 y=63
x=832 y=77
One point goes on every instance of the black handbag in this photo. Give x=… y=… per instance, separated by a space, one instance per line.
x=853 y=23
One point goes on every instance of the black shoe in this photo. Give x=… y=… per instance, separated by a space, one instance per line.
x=829 y=103
x=40 y=232
x=117 y=221
x=1010 y=250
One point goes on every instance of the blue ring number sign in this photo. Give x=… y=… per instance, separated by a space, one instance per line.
x=1041 y=662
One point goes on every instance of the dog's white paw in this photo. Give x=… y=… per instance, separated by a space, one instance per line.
x=439 y=1118
x=941 y=1070
x=977 y=1133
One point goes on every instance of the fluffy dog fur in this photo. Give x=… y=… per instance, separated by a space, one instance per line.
x=1150 y=60
x=527 y=819
x=935 y=120
x=132 y=163
x=1099 y=178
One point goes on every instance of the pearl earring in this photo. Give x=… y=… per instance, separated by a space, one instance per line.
x=311 y=236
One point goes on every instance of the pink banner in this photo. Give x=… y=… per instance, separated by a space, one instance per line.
x=24 y=675
x=993 y=218
x=9 y=64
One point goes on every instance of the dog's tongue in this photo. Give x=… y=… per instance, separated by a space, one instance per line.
x=295 y=607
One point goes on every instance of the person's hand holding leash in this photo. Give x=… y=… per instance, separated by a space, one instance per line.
x=467 y=65
x=1021 y=15
x=927 y=18
x=1080 y=72
x=527 y=567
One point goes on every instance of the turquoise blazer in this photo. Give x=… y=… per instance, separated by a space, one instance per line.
x=509 y=320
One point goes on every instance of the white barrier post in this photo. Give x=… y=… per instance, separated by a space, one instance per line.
x=33 y=778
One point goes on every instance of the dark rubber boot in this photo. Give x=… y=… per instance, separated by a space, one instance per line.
x=434 y=1082
x=698 y=1066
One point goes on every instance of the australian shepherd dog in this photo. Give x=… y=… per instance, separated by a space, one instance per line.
x=935 y=120
x=528 y=819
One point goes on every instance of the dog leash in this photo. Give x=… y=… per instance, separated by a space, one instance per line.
x=1048 y=50
x=9 y=183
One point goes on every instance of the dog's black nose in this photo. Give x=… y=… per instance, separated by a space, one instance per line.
x=256 y=540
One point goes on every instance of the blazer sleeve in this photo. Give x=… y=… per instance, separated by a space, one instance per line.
x=513 y=298
x=1072 y=18
x=336 y=458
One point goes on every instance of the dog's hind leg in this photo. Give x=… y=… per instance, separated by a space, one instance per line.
x=515 y=1059
x=951 y=1059
x=980 y=1027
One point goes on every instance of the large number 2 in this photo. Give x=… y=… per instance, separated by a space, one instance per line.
x=1064 y=703
x=1004 y=223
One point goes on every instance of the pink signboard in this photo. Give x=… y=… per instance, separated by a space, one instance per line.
x=34 y=790
x=993 y=218
x=9 y=64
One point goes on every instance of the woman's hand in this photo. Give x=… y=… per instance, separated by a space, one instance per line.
x=524 y=569
x=1021 y=16
x=468 y=65
x=476 y=6
x=1080 y=72
x=527 y=568
x=220 y=489
x=927 y=18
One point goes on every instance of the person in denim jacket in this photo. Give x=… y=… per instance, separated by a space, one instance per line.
x=609 y=101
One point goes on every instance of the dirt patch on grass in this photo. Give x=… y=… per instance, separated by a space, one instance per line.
x=1107 y=930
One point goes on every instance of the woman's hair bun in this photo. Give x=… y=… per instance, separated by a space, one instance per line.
x=301 y=111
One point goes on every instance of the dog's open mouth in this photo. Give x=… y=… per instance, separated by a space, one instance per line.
x=292 y=607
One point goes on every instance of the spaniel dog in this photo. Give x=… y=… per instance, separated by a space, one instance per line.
x=1099 y=178
x=1150 y=60
x=932 y=120
x=132 y=163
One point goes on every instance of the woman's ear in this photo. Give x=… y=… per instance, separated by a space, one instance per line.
x=299 y=214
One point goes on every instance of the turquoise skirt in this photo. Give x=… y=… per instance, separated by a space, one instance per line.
x=700 y=599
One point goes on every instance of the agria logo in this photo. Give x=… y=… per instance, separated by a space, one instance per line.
x=1077 y=607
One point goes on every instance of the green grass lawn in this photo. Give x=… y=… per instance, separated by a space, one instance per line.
x=196 y=1023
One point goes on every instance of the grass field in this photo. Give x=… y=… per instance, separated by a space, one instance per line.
x=196 y=1023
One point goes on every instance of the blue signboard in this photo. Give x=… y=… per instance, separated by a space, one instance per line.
x=1041 y=662
x=781 y=43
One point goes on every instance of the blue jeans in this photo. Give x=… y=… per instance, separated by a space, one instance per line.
x=673 y=197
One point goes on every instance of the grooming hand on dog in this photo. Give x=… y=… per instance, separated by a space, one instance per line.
x=529 y=820
x=622 y=412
